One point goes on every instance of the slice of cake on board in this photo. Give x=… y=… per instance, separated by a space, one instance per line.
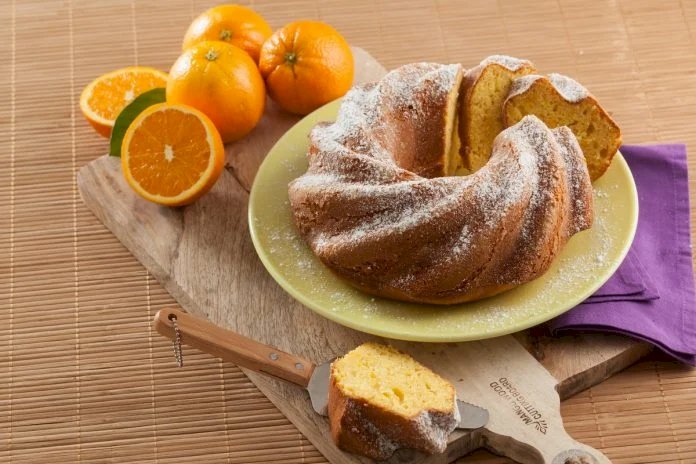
x=381 y=399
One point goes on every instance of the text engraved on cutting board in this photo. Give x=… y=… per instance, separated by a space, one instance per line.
x=528 y=414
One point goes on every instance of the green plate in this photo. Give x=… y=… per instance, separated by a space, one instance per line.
x=587 y=261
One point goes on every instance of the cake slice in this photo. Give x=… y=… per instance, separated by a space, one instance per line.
x=560 y=101
x=484 y=89
x=381 y=399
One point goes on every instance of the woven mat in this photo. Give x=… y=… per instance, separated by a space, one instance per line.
x=82 y=377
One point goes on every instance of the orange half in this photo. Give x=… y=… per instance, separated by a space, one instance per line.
x=103 y=99
x=172 y=154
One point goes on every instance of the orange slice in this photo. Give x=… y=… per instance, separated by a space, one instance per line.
x=104 y=98
x=172 y=154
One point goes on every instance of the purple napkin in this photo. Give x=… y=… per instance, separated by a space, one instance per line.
x=651 y=296
x=630 y=282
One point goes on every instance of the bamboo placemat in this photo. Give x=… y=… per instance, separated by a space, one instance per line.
x=82 y=377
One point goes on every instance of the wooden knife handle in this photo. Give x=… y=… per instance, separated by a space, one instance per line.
x=231 y=346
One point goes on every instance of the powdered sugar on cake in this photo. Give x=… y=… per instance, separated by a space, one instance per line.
x=511 y=63
x=403 y=87
x=381 y=226
x=522 y=84
x=359 y=114
x=433 y=428
x=570 y=89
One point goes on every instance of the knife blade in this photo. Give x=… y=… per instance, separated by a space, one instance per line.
x=248 y=353
x=471 y=416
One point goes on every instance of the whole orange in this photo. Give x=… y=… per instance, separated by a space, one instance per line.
x=223 y=82
x=234 y=24
x=306 y=64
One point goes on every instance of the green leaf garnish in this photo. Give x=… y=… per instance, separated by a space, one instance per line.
x=129 y=113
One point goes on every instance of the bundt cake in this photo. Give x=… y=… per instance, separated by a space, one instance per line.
x=372 y=208
x=560 y=101
x=415 y=129
x=381 y=399
x=484 y=90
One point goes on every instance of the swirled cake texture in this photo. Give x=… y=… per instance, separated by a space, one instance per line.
x=380 y=206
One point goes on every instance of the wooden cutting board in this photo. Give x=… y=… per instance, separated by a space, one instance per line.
x=203 y=256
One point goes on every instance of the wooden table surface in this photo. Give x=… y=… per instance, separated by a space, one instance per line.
x=82 y=379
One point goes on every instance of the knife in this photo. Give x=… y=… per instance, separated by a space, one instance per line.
x=264 y=359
